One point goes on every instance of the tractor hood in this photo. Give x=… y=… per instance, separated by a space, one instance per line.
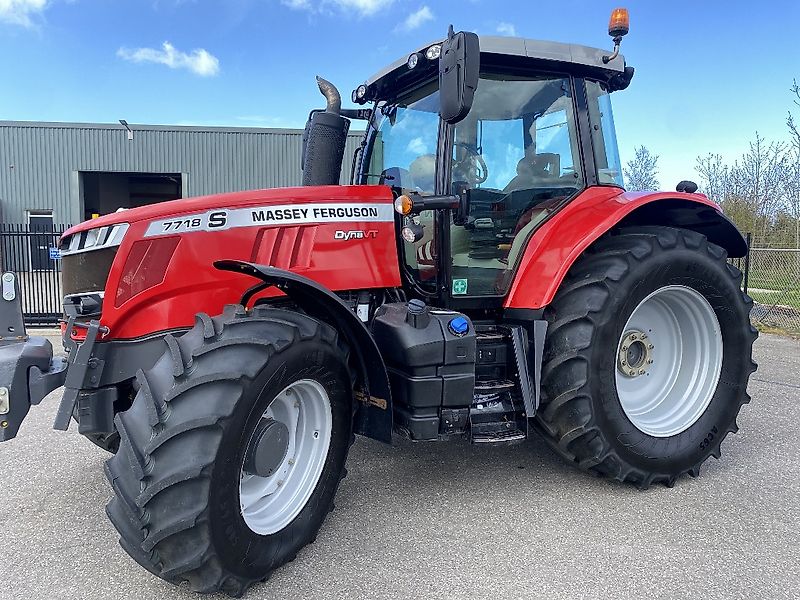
x=234 y=200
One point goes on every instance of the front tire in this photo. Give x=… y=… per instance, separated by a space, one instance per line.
x=188 y=504
x=667 y=302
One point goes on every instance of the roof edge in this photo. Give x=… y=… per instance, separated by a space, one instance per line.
x=144 y=127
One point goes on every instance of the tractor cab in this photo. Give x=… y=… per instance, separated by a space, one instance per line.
x=538 y=130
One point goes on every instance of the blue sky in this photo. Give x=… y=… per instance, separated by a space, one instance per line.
x=708 y=74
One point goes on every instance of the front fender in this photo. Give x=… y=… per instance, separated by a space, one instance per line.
x=558 y=243
x=374 y=410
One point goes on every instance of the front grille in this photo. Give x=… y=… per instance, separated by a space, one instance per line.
x=86 y=271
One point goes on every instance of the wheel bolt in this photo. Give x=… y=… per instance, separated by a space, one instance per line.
x=650 y=362
x=624 y=348
x=641 y=372
x=650 y=346
x=290 y=461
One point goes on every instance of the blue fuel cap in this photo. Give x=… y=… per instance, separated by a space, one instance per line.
x=458 y=326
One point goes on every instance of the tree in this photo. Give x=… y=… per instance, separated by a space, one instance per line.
x=641 y=173
x=714 y=177
x=793 y=170
x=760 y=191
x=753 y=190
x=794 y=128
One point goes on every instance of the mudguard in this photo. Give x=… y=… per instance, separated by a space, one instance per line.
x=558 y=243
x=374 y=410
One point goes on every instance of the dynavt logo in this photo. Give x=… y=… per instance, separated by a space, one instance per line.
x=356 y=234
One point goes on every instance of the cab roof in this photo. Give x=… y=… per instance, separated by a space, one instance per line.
x=548 y=55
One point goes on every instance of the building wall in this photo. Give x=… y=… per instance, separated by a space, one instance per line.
x=40 y=162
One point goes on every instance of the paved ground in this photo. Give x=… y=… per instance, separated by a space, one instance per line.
x=452 y=521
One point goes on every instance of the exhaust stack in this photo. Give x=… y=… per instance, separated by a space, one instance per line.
x=324 y=139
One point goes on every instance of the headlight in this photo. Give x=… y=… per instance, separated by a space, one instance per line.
x=433 y=52
x=94 y=239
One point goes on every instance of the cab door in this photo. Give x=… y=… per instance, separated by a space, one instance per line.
x=516 y=158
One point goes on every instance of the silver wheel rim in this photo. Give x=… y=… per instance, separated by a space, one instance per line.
x=268 y=504
x=669 y=360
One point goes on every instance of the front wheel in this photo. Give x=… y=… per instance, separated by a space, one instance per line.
x=647 y=357
x=233 y=449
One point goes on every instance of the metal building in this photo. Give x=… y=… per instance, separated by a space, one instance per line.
x=65 y=173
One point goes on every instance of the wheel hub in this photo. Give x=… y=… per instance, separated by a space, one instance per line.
x=635 y=354
x=268 y=449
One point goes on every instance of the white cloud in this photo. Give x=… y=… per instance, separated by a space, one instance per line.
x=19 y=12
x=507 y=29
x=362 y=8
x=199 y=61
x=417 y=19
x=417 y=146
x=297 y=4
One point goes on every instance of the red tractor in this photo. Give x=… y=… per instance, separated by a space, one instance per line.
x=486 y=276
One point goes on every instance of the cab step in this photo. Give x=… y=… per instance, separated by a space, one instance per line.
x=502 y=437
x=500 y=409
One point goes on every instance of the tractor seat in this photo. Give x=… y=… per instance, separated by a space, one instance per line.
x=535 y=171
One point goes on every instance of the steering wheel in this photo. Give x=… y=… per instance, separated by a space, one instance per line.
x=471 y=168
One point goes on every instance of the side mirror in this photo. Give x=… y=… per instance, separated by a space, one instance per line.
x=459 y=67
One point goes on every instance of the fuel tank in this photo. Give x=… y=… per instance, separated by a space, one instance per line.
x=161 y=272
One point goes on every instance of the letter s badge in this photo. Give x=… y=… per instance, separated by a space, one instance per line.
x=217 y=219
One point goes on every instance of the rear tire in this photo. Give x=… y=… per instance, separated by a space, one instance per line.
x=586 y=411
x=184 y=441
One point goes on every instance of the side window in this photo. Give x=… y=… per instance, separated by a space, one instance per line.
x=502 y=146
x=604 y=137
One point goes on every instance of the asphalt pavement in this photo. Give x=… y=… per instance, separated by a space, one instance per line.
x=456 y=521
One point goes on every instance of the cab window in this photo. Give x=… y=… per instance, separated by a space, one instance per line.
x=516 y=157
x=604 y=138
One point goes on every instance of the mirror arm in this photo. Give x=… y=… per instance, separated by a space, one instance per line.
x=422 y=203
x=359 y=114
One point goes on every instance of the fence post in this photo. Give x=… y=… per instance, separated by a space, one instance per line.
x=749 y=240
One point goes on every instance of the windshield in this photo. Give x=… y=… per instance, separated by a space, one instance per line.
x=404 y=147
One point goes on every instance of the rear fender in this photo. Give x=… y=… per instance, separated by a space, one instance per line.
x=373 y=416
x=558 y=243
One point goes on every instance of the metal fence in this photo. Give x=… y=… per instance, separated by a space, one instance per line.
x=31 y=251
x=771 y=276
x=773 y=281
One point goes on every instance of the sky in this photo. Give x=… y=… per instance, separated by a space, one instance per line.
x=709 y=74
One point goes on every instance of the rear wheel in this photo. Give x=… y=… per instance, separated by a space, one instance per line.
x=233 y=449
x=647 y=356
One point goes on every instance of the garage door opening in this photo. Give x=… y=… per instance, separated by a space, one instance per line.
x=105 y=193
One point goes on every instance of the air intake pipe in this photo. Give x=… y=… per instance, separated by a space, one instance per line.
x=324 y=139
